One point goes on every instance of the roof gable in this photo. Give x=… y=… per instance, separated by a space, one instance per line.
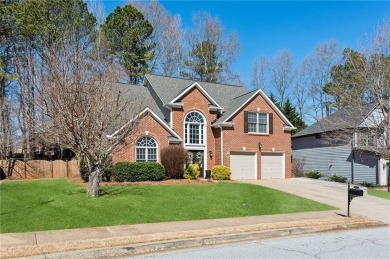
x=241 y=101
x=345 y=118
x=201 y=89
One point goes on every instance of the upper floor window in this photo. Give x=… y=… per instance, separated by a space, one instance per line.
x=256 y=122
x=194 y=128
x=146 y=150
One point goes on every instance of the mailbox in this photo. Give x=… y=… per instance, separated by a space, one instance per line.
x=356 y=191
x=352 y=193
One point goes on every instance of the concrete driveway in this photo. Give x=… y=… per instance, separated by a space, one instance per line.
x=331 y=193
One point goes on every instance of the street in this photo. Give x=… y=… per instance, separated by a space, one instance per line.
x=360 y=243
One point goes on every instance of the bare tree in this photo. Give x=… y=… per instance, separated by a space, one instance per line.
x=282 y=74
x=168 y=36
x=82 y=107
x=208 y=31
x=377 y=76
x=302 y=89
x=259 y=71
x=319 y=67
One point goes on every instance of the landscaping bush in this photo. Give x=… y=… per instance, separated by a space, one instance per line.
x=368 y=185
x=192 y=172
x=314 y=174
x=338 y=178
x=138 y=172
x=173 y=158
x=297 y=168
x=220 y=172
x=84 y=174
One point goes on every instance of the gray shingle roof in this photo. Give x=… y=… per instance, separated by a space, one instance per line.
x=234 y=104
x=345 y=118
x=167 y=88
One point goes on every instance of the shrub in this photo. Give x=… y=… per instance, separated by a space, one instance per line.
x=338 y=178
x=173 y=158
x=220 y=172
x=297 y=168
x=192 y=172
x=369 y=185
x=84 y=173
x=138 y=172
x=315 y=174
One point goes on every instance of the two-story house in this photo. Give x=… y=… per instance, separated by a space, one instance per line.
x=216 y=123
x=349 y=143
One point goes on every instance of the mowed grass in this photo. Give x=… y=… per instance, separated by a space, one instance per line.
x=60 y=204
x=379 y=193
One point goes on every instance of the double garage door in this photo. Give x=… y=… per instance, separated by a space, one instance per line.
x=244 y=165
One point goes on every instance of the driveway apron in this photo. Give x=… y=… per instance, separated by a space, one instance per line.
x=331 y=193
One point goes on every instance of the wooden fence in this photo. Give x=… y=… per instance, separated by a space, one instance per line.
x=17 y=169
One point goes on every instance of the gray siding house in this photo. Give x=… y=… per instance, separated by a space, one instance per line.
x=347 y=143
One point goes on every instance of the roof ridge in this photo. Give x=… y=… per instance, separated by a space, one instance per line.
x=250 y=92
x=194 y=80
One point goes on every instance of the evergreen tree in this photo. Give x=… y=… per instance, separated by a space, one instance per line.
x=347 y=85
x=129 y=37
x=204 y=64
x=291 y=114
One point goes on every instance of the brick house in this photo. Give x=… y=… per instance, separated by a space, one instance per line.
x=216 y=123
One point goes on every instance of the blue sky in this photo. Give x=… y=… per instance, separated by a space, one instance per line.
x=264 y=28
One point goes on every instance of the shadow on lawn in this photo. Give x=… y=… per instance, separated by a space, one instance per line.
x=107 y=191
x=29 y=207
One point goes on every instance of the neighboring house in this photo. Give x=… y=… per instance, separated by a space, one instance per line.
x=347 y=143
x=216 y=123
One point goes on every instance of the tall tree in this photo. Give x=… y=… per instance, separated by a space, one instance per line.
x=204 y=62
x=207 y=39
x=319 y=66
x=167 y=33
x=7 y=24
x=291 y=114
x=347 y=83
x=259 y=73
x=129 y=40
x=282 y=74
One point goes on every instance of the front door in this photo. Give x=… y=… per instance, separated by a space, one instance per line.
x=196 y=157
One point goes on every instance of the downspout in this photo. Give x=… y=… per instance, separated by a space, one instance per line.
x=353 y=166
x=220 y=126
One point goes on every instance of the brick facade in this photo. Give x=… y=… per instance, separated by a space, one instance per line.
x=234 y=138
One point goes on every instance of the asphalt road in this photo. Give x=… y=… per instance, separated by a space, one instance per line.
x=361 y=243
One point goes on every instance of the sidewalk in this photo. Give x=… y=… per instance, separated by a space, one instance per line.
x=143 y=238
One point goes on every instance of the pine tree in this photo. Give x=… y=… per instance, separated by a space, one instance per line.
x=129 y=37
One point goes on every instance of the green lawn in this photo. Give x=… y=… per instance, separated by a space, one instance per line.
x=379 y=193
x=60 y=204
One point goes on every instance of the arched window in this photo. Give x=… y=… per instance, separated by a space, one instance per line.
x=146 y=150
x=194 y=129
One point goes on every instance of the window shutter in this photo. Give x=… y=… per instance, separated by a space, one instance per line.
x=245 y=122
x=271 y=123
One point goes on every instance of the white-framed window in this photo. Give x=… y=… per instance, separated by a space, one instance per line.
x=194 y=128
x=146 y=150
x=258 y=122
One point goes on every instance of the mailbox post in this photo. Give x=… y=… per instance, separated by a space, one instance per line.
x=352 y=193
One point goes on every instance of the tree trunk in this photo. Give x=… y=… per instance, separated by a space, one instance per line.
x=94 y=181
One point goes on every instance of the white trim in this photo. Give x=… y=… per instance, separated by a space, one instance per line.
x=257 y=124
x=223 y=124
x=273 y=106
x=204 y=131
x=175 y=105
x=154 y=115
x=222 y=152
x=146 y=152
x=196 y=84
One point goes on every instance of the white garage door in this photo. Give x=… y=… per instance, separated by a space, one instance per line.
x=243 y=165
x=272 y=165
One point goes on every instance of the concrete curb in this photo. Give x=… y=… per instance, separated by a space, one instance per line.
x=126 y=246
